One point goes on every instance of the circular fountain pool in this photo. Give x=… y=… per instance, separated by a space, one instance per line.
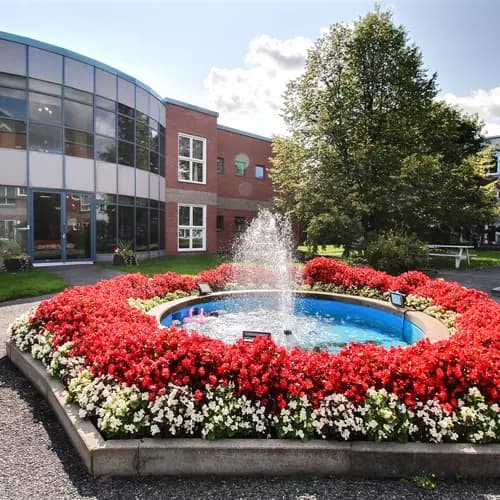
x=319 y=321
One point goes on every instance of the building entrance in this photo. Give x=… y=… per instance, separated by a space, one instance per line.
x=61 y=226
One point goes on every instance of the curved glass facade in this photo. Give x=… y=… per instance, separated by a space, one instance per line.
x=82 y=155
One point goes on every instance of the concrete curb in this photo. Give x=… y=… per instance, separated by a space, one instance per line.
x=253 y=457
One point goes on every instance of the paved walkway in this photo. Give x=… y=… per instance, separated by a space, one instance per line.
x=38 y=462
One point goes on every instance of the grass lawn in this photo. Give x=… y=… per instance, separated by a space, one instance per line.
x=327 y=250
x=483 y=258
x=29 y=284
x=181 y=264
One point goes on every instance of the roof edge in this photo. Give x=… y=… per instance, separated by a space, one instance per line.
x=242 y=132
x=182 y=104
x=11 y=37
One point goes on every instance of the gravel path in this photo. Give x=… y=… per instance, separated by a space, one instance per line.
x=38 y=462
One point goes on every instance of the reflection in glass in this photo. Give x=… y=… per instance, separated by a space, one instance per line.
x=105 y=149
x=197 y=149
x=125 y=128
x=197 y=216
x=184 y=219
x=45 y=87
x=184 y=170
x=105 y=122
x=141 y=158
x=153 y=162
x=126 y=153
x=184 y=146
x=78 y=143
x=141 y=229
x=77 y=226
x=197 y=172
x=45 y=109
x=12 y=134
x=141 y=134
x=44 y=138
x=126 y=223
x=78 y=95
x=104 y=103
x=153 y=229
x=105 y=223
x=78 y=116
x=16 y=81
x=12 y=104
x=14 y=218
x=47 y=226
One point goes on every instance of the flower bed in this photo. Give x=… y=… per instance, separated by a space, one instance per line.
x=133 y=378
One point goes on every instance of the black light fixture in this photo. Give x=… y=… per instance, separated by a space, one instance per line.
x=204 y=289
x=249 y=336
x=398 y=299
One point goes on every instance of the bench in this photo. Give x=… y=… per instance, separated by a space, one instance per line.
x=461 y=253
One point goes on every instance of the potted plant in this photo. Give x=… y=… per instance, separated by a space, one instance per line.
x=124 y=254
x=13 y=258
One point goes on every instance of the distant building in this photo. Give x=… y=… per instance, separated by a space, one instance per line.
x=491 y=233
x=90 y=156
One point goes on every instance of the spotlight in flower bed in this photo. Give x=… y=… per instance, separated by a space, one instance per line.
x=204 y=289
x=248 y=335
x=397 y=299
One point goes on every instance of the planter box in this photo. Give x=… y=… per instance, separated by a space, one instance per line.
x=14 y=265
x=119 y=260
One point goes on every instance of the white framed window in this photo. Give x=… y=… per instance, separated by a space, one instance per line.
x=192 y=159
x=7 y=195
x=22 y=191
x=192 y=228
x=260 y=171
x=8 y=229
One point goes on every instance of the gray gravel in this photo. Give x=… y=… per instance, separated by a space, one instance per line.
x=37 y=461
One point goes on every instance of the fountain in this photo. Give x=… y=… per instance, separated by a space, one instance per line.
x=262 y=256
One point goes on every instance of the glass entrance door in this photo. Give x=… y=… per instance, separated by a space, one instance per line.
x=62 y=226
x=77 y=226
x=47 y=243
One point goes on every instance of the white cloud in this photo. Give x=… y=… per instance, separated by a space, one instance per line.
x=484 y=103
x=250 y=97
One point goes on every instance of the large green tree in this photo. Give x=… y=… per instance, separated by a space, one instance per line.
x=370 y=148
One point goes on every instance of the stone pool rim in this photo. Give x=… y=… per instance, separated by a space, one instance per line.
x=433 y=329
x=253 y=457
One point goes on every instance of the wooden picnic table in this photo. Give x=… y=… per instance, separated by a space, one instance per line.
x=461 y=252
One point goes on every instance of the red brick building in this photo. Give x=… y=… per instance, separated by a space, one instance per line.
x=216 y=179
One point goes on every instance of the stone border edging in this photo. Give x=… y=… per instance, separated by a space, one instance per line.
x=253 y=457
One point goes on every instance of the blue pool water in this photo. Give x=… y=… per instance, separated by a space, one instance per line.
x=317 y=323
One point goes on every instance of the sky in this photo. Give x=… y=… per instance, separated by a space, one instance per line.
x=235 y=57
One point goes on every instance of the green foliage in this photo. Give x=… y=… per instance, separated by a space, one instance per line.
x=396 y=253
x=370 y=148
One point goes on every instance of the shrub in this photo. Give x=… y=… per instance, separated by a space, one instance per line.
x=396 y=253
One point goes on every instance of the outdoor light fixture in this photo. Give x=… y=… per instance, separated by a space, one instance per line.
x=204 y=289
x=397 y=299
x=249 y=335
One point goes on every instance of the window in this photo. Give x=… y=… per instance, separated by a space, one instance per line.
x=126 y=153
x=78 y=143
x=191 y=227
x=12 y=104
x=7 y=195
x=495 y=169
x=105 y=149
x=105 y=122
x=22 y=191
x=260 y=171
x=45 y=109
x=220 y=165
x=191 y=159
x=220 y=223
x=241 y=163
x=239 y=224
x=7 y=229
x=46 y=139
x=78 y=116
